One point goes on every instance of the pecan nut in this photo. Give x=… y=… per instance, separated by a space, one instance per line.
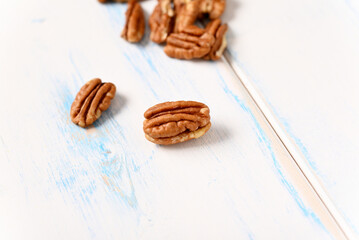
x=186 y=13
x=213 y=8
x=161 y=21
x=92 y=99
x=135 y=22
x=175 y=122
x=192 y=42
x=218 y=30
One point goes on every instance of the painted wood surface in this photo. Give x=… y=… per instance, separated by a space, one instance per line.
x=59 y=181
x=302 y=58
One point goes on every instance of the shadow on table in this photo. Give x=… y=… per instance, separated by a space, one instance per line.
x=231 y=10
x=117 y=104
x=217 y=134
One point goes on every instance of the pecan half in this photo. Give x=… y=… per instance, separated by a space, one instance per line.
x=135 y=22
x=218 y=30
x=186 y=13
x=192 y=42
x=92 y=99
x=161 y=21
x=175 y=122
x=213 y=8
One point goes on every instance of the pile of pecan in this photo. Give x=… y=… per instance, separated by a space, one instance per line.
x=174 y=22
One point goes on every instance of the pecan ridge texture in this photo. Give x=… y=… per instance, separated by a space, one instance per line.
x=213 y=8
x=135 y=22
x=174 y=122
x=194 y=42
x=218 y=30
x=161 y=21
x=92 y=99
x=191 y=42
x=187 y=12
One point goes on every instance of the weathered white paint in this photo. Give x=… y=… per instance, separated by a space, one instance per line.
x=59 y=181
x=300 y=59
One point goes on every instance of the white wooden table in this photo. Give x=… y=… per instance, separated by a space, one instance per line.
x=280 y=161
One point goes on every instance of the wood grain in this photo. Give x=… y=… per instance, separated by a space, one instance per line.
x=300 y=57
x=59 y=181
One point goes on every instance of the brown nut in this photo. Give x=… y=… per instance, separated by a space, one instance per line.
x=186 y=13
x=192 y=42
x=212 y=8
x=218 y=30
x=161 y=21
x=92 y=99
x=135 y=22
x=175 y=122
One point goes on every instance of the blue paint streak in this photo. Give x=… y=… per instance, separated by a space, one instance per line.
x=77 y=71
x=283 y=121
x=38 y=20
x=116 y=13
x=264 y=140
x=142 y=75
x=69 y=176
x=298 y=142
x=131 y=54
x=149 y=61
x=242 y=222
x=352 y=8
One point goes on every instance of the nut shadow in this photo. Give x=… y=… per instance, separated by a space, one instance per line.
x=146 y=37
x=217 y=134
x=231 y=10
x=117 y=104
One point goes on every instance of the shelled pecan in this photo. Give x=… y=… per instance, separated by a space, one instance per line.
x=92 y=99
x=213 y=8
x=175 y=122
x=218 y=30
x=192 y=42
x=186 y=13
x=161 y=21
x=135 y=22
